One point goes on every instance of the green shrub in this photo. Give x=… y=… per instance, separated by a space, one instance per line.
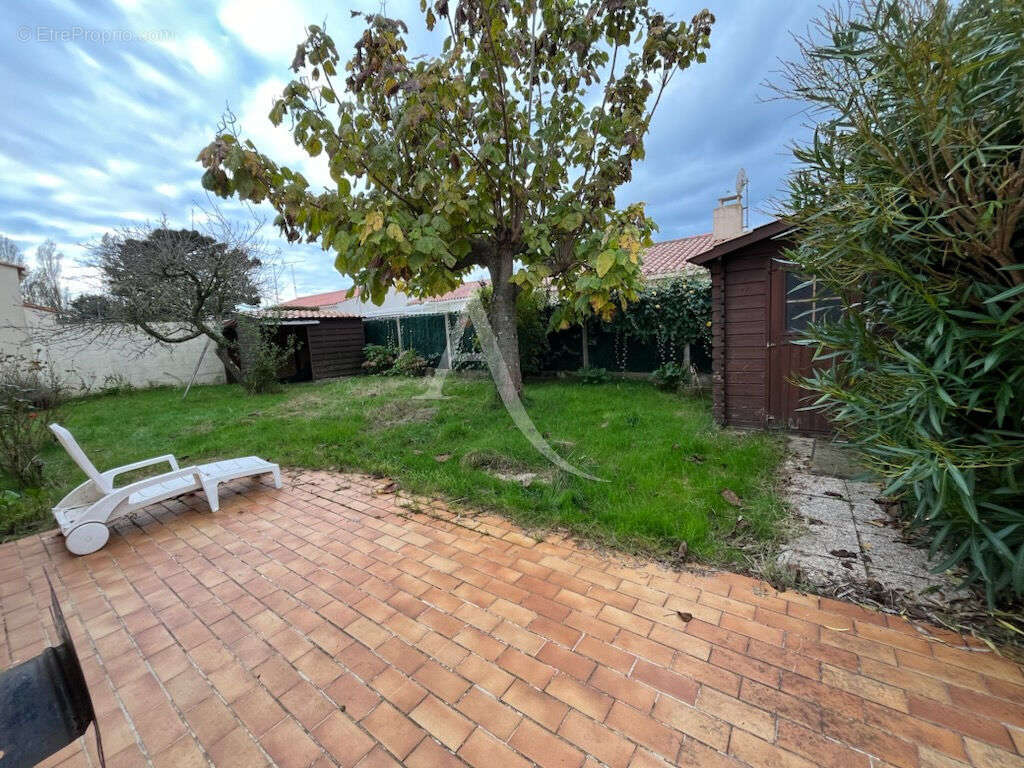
x=592 y=375
x=671 y=376
x=116 y=384
x=908 y=205
x=408 y=364
x=379 y=358
x=264 y=358
x=30 y=394
x=23 y=513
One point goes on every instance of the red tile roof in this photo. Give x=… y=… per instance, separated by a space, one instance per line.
x=674 y=256
x=463 y=291
x=320 y=299
x=299 y=314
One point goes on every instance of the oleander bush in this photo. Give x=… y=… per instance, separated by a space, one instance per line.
x=908 y=203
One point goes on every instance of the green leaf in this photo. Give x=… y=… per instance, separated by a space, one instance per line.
x=605 y=261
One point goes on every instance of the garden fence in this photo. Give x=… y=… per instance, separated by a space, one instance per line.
x=617 y=352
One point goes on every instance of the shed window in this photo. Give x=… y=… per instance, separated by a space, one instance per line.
x=808 y=301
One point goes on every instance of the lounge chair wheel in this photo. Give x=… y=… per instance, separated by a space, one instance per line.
x=86 y=538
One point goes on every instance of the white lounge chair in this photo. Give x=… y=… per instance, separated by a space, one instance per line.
x=83 y=515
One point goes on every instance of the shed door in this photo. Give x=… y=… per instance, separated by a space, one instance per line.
x=794 y=302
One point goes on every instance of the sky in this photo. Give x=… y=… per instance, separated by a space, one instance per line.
x=107 y=104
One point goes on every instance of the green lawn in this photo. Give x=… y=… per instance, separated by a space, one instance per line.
x=665 y=462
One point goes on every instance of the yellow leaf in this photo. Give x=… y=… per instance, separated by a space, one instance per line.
x=605 y=261
x=395 y=232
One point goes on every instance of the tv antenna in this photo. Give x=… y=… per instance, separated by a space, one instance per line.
x=743 y=193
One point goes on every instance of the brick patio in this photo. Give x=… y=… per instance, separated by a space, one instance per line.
x=330 y=623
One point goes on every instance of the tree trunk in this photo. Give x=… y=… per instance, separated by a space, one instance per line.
x=502 y=316
x=225 y=357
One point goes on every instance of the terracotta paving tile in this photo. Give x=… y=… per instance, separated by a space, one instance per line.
x=488 y=676
x=580 y=696
x=496 y=717
x=569 y=662
x=378 y=757
x=237 y=750
x=343 y=739
x=597 y=740
x=761 y=754
x=308 y=705
x=736 y=712
x=258 y=710
x=442 y=722
x=650 y=650
x=814 y=746
x=545 y=709
x=326 y=626
x=210 y=719
x=399 y=689
x=184 y=753
x=544 y=748
x=430 y=754
x=691 y=721
x=681 y=686
x=645 y=730
x=482 y=750
x=393 y=729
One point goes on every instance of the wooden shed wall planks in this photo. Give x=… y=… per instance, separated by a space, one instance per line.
x=739 y=306
x=336 y=347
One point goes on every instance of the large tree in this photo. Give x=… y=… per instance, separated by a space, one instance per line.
x=178 y=284
x=44 y=284
x=10 y=253
x=503 y=152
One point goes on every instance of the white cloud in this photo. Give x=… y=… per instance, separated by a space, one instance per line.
x=154 y=76
x=268 y=28
x=121 y=167
x=47 y=180
x=168 y=190
x=196 y=51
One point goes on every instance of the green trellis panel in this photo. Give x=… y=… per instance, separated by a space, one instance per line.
x=426 y=335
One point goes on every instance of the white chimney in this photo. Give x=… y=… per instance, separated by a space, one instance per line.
x=727 y=221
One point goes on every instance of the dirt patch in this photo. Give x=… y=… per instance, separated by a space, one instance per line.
x=395 y=413
x=306 y=406
x=506 y=469
x=375 y=386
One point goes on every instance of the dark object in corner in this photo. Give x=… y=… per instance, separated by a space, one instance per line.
x=44 y=702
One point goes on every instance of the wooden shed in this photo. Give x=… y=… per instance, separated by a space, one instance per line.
x=327 y=344
x=759 y=307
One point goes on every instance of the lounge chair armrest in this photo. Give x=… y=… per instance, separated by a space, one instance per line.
x=110 y=474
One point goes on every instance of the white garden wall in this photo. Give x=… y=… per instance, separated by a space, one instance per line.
x=128 y=356
x=87 y=362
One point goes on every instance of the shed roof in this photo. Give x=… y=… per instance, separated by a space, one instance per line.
x=725 y=247
x=19 y=267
